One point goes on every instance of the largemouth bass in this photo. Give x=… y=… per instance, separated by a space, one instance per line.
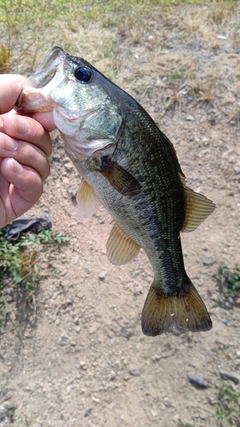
x=130 y=166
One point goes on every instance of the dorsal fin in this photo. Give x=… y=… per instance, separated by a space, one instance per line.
x=197 y=209
x=174 y=155
x=120 y=248
x=87 y=200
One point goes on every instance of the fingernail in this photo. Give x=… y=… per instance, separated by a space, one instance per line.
x=16 y=167
x=21 y=125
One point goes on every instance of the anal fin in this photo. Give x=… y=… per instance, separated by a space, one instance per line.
x=87 y=200
x=121 y=248
x=163 y=312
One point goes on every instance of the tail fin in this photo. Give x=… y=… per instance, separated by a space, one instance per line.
x=163 y=312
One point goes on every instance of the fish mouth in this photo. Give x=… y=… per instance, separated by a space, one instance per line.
x=34 y=97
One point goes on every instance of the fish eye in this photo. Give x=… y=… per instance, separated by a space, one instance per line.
x=83 y=74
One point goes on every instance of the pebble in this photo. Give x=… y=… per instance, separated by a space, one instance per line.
x=83 y=366
x=102 y=275
x=63 y=273
x=238 y=354
x=221 y=37
x=135 y=372
x=154 y=413
x=69 y=167
x=75 y=260
x=87 y=412
x=208 y=260
x=156 y=358
x=198 y=382
x=203 y=416
x=112 y=375
x=230 y=376
x=190 y=118
x=167 y=402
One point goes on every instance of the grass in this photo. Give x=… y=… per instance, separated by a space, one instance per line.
x=22 y=22
x=20 y=261
x=228 y=407
x=107 y=34
x=228 y=281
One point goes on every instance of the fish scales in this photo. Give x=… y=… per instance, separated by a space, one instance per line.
x=131 y=167
x=158 y=215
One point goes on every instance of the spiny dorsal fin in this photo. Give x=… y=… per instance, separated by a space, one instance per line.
x=87 y=200
x=197 y=209
x=163 y=312
x=120 y=248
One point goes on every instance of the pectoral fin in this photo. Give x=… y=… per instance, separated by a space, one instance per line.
x=87 y=200
x=120 y=248
x=120 y=179
x=197 y=209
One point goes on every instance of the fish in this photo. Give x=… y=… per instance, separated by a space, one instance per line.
x=129 y=166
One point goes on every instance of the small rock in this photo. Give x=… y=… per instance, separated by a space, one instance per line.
x=87 y=412
x=208 y=260
x=238 y=354
x=230 y=376
x=83 y=366
x=102 y=275
x=167 y=402
x=75 y=260
x=63 y=273
x=190 y=118
x=135 y=372
x=221 y=37
x=112 y=375
x=156 y=358
x=69 y=167
x=137 y=289
x=198 y=382
x=203 y=416
x=154 y=413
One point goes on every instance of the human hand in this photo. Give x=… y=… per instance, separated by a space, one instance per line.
x=24 y=150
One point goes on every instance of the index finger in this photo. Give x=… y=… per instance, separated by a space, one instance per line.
x=11 y=86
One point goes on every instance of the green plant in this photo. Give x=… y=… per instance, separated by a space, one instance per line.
x=19 y=259
x=228 y=408
x=229 y=282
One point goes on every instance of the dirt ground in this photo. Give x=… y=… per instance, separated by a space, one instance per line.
x=80 y=358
